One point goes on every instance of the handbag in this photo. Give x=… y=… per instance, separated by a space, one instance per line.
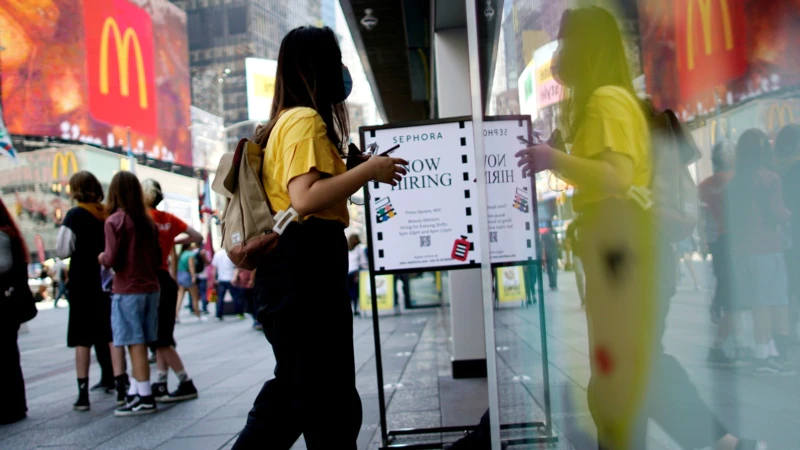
x=19 y=298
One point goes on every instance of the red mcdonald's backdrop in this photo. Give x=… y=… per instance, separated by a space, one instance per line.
x=736 y=49
x=89 y=69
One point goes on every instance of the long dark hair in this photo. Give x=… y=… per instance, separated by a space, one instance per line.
x=787 y=145
x=752 y=151
x=19 y=251
x=590 y=55
x=310 y=75
x=125 y=193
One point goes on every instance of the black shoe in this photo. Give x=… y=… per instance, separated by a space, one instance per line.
x=185 y=391
x=83 y=402
x=137 y=406
x=717 y=357
x=122 y=385
x=160 y=391
x=106 y=386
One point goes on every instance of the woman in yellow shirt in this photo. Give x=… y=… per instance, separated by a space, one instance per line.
x=306 y=312
x=629 y=269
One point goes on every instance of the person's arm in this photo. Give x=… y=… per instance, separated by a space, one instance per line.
x=192 y=269
x=173 y=262
x=111 y=253
x=65 y=243
x=609 y=172
x=311 y=192
x=6 y=255
x=191 y=236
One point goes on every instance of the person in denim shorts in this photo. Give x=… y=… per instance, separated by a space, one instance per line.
x=133 y=252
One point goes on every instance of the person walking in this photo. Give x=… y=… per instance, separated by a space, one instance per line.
x=187 y=281
x=242 y=291
x=81 y=238
x=59 y=277
x=551 y=253
x=754 y=202
x=201 y=262
x=132 y=250
x=712 y=200
x=303 y=282
x=170 y=230
x=357 y=261
x=13 y=288
x=629 y=266
x=577 y=264
x=224 y=270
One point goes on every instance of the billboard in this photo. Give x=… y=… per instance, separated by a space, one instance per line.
x=89 y=70
x=260 y=87
x=698 y=52
x=547 y=89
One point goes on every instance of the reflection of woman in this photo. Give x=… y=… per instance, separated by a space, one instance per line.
x=357 y=261
x=625 y=297
x=306 y=313
x=755 y=206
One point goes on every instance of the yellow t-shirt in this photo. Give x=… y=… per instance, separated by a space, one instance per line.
x=614 y=121
x=299 y=143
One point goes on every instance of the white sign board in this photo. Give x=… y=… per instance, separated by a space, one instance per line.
x=429 y=220
x=512 y=229
x=260 y=75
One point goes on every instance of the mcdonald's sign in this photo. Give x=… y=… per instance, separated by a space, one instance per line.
x=121 y=64
x=64 y=161
x=778 y=116
x=710 y=44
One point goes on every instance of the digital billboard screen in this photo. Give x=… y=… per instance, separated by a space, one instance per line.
x=91 y=70
x=698 y=52
x=260 y=87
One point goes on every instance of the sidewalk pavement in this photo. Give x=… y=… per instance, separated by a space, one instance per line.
x=229 y=362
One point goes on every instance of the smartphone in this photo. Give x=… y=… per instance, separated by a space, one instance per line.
x=557 y=141
x=390 y=151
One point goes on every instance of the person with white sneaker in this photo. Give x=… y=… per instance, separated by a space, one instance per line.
x=169 y=228
x=132 y=250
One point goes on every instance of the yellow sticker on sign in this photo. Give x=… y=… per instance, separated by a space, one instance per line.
x=384 y=285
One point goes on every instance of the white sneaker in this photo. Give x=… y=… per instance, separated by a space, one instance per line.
x=202 y=319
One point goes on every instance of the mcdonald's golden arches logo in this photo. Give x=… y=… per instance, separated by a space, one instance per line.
x=64 y=161
x=704 y=7
x=123 y=43
x=121 y=64
x=778 y=116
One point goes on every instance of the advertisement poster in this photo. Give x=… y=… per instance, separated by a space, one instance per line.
x=430 y=219
x=697 y=52
x=90 y=70
x=260 y=87
x=510 y=284
x=510 y=200
x=384 y=285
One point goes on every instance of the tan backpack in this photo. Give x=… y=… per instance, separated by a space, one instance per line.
x=249 y=229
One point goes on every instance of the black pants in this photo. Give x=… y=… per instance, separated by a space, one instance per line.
x=551 y=265
x=12 y=395
x=307 y=318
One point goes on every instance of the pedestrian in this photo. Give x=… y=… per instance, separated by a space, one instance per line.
x=81 y=238
x=551 y=253
x=169 y=229
x=787 y=150
x=754 y=201
x=303 y=282
x=629 y=266
x=224 y=270
x=15 y=295
x=132 y=250
x=357 y=261
x=201 y=262
x=58 y=275
x=712 y=201
x=577 y=264
x=187 y=280
x=685 y=250
x=242 y=290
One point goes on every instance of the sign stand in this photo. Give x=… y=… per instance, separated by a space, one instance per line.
x=460 y=248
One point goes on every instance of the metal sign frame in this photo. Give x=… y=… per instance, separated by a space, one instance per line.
x=389 y=437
